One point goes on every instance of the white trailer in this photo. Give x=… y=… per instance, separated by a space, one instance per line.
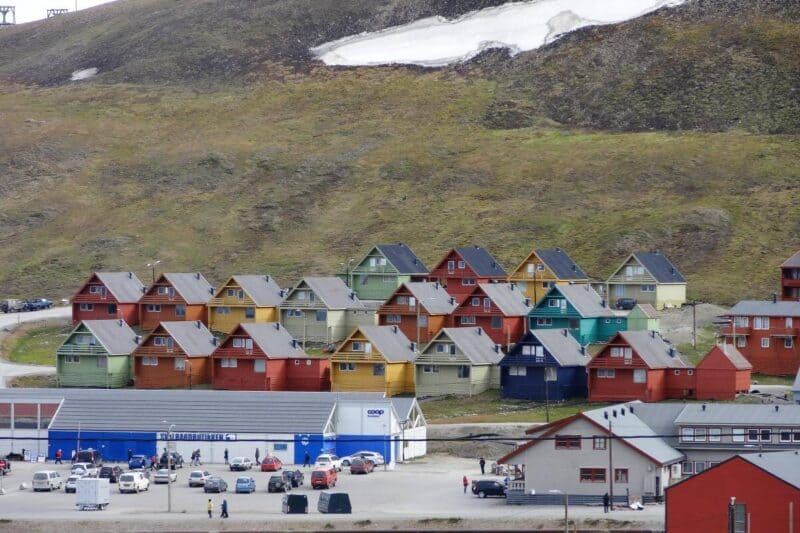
x=92 y=494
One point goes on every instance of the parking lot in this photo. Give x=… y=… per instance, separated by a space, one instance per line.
x=425 y=494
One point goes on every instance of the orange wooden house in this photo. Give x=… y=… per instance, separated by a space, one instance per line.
x=174 y=297
x=174 y=355
x=722 y=373
x=420 y=309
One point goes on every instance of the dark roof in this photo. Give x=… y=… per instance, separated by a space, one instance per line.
x=660 y=267
x=481 y=262
x=792 y=262
x=402 y=258
x=560 y=263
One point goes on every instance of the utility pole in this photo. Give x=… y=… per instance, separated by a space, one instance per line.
x=546 y=396
x=610 y=465
x=566 y=513
x=153 y=266
x=169 y=467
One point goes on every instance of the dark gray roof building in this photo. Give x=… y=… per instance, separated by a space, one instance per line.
x=481 y=262
x=561 y=264
x=660 y=267
x=402 y=258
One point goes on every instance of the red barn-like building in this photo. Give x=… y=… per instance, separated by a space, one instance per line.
x=463 y=268
x=722 y=373
x=175 y=297
x=752 y=492
x=501 y=309
x=174 y=355
x=108 y=296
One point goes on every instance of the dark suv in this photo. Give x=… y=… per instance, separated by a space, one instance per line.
x=488 y=487
x=176 y=460
x=110 y=472
x=626 y=304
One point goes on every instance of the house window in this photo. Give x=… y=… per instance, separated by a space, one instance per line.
x=223 y=311
x=550 y=374
x=231 y=292
x=393 y=319
x=699 y=434
x=690 y=372
x=347 y=367
x=714 y=434
x=102 y=361
x=795 y=436
x=789 y=322
x=677 y=372
x=765 y=435
x=606 y=373
x=112 y=309
x=94 y=289
x=162 y=290
x=388 y=279
x=544 y=321
x=229 y=363
x=475 y=302
x=788 y=342
x=322 y=315
x=467 y=320
x=737 y=434
x=687 y=467
x=687 y=434
x=468 y=282
x=358 y=346
x=180 y=310
x=699 y=467
x=741 y=321
x=378 y=369
x=441 y=348
x=463 y=372
x=430 y=369
x=84 y=339
x=87 y=307
x=517 y=371
x=402 y=300
x=761 y=322
x=648 y=288
x=593 y=475
x=280 y=447
x=153 y=308
x=259 y=366
x=568 y=442
x=461 y=265
x=249 y=312
x=599 y=443
x=238 y=342
x=553 y=302
x=540 y=267
x=765 y=342
x=752 y=435
x=616 y=351
x=451 y=267
x=640 y=375
x=620 y=475
x=72 y=358
x=497 y=322
x=423 y=321
x=527 y=349
x=487 y=303
x=786 y=435
x=296 y=313
x=739 y=518
x=180 y=364
x=150 y=361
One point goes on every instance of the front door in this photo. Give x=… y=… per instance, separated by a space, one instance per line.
x=658 y=486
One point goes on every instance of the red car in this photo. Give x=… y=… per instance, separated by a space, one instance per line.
x=361 y=466
x=271 y=464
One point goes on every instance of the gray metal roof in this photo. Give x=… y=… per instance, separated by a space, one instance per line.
x=765 y=308
x=564 y=348
x=628 y=426
x=481 y=262
x=194 y=338
x=584 y=299
x=124 y=286
x=507 y=297
x=792 y=262
x=783 y=465
x=403 y=406
x=333 y=292
x=273 y=339
x=192 y=286
x=391 y=342
x=732 y=414
x=733 y=355
x=402 y=258
x=474 y=343
x=262 y=289
x=116 y=336
x=660 y=417
x=560 y=263
x=432 y=296
x=650 y=346
x=660 y=267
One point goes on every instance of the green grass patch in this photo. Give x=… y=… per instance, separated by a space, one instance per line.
x=35 y=345
x=763 y=379
x=705 y=341
x=33 y=382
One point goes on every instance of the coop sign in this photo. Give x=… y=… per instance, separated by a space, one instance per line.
x=375 y=413
x=190 y=436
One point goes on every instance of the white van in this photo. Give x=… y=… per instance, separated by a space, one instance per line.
x=133 y=482
x=47 y=480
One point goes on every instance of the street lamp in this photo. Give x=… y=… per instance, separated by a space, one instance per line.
x=566 y=507
x=153 y=266
x=347 y=270
x=169 y=466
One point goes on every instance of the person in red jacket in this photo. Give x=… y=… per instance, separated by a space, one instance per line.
x=466 y=484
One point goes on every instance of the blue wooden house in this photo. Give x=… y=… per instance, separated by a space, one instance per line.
x=547 y=364
x=579 y=309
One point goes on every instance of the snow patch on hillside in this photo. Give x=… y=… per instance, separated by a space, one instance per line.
x=84 y=74
x=519 y=27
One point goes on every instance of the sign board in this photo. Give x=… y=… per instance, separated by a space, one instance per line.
x=191 y=436
x=375 y=413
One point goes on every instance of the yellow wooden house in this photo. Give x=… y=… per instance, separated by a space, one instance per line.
x=374 y=359
x=243 y=299
x=543 y=268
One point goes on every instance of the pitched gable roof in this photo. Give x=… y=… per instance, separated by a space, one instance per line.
x=564 y=348
x=474 y=343
x=652 y=349
x=124 y=286
x=193 y=287
x=560 y=264
x=586 y=301
x=273 y=339
x=390 y=342
x=262 y=289
x=659 y=267
x=333 y=292
x=432 y=296
x=731 y=354
x=783 y=465
x=194 y=338
x=509 y=299
x=765 y=308
x=115 y=336
x=792 y=262
x=402 y=258
x=481 y=262
x=648 y=310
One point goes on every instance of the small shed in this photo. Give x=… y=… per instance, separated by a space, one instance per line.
x=722 y=373
x=644 y=317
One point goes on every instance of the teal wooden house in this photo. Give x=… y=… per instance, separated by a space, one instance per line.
x=580 y=310
x=97 y=354
x=383 y=270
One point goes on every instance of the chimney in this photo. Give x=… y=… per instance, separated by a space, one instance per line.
x=774 y=298
x=496 y=348
x=622 y=411
x=602 y=302
x=197 y=275
x=278 y=326
x=583 y=350
x=704 y=407
x=211 y=290
x=266 y=278
x=671 y=351
x=527 y=302
x=294 y=343
x=198 y=324
x=119 y=322
x=413 y=346
x=282 y=293
x=558 y=249
x=565 y=332
x=653 y=333
x=214 y=341
x=631 y=408
x=144 y=290
x=352 y=295
x=776 y=408
x=130 y=275
x=452 y=301
x=137 y=339
x=436 y=285
x=614 y=412
x=394 y=329
x=511 y=286
x=480 y=331
x=494 y=265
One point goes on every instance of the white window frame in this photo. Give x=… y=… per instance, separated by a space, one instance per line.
x=687 y=434
x=642 y=375
x=72 y=359
x=260 y=366
x=765 y=342
x=357 y=346
x=761 y=323
x=149 y=360
x=714 y=434
x=788 y=343
x=738 y=434
x=467 y=282
x=347 y=367
x=153 y=308
x=467 y=320
x=394 y=319
x=180 y=364
x=475 y=301
x=87 y=307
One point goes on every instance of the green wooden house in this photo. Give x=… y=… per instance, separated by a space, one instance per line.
x=644 y=317
x=97 y=354
x=383 y=270
x=579 y=309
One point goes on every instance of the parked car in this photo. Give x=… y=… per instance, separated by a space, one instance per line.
x=278 y=484
x=12 y=306
x=110 y=472
x=245 y=484
x=323 y=478
x=47 y=480
x=72 y=480
x=241 y=464
x=197 y=478
x=626 y=303
x=361 y=466
x=327 y=460
x=37 y=304
x=488 y=487
x=89 y=455
x=165 y=476
x=5 y=467
x=215 y=484
x=133 y=482
x=84 y=469
x=375 y=457
x=138 y=462
x=295 y=477
x=176 y=460
x=271 y=464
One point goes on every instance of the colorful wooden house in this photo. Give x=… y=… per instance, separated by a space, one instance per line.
x=648 y=277
x=499 y=308
x=374 y=358
x=174 y=297
x=384 y=269
x=420 y=309
x=244 y=298
x=264 y=356
x=323 y=310
x=545 y=365
x=644 y=317
x=462 y=269
x=108 y=296
x=722 y=373
x=766 y=332
x=96 y=354
x=459 y=361
x=175 y=355
x=543 y=268
x=579 y=309
x=790 y=278
x=639 y=365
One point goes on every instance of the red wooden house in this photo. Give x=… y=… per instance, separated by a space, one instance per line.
x=175 y=297
x=108 y=296
x=790 y=278
x=263 y=356
x=419 y=309
x=751 y=492
x=174 y=355
x=501 y=309
x=638 y=365
x=722 y=373
x=463 y=268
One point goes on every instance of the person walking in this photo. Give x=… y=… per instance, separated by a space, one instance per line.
x=74 y=454
x=210 y=507
x=482 y=463
x=606 y=502
x=465 y=481
x=153 y=462
x=306 y=459
x=130 y=455
x=257 y=454
x=198 y=457
x=226 y=455
x=59 y=454
x=224 y=513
